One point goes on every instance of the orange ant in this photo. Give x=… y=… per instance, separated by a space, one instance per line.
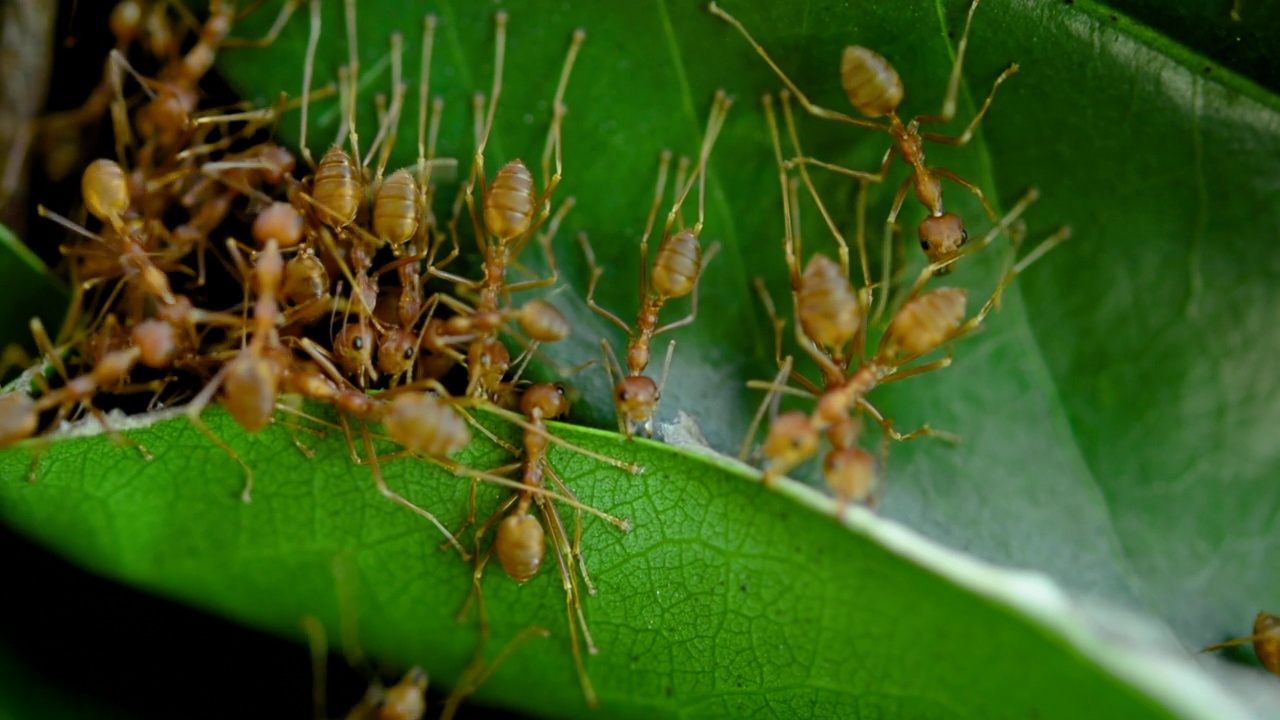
x=875 y=89
x=829 y=315
x=1265 y=639
x=677 y=268
x=520 y=540
x=923 y=322
x=510 y=202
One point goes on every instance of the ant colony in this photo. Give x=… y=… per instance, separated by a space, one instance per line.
x=335 y=294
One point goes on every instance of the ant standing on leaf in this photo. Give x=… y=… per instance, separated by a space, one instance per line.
x=520 y=539
x=677 y=268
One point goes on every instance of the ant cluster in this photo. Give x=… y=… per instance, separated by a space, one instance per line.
x=833 y=319
x=331 y=301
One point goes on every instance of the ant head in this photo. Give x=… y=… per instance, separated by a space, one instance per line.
x=520 y=544
x=353 y=347
x=636 y=396
x=850 y=473
x=791 y=440
x=941 y=237
x=397 y=351
x=546 y=400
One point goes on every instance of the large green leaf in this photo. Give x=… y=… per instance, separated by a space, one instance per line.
x=1117 y=430
x=708 y=607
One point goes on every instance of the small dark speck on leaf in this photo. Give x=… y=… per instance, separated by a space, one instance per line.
x=670 y=691
x=1208 y=69
x=744 y=587
x=1115 y=18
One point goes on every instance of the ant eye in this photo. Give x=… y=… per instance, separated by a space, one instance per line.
x=408 y=353
x=358 y=343
x=924 y=245
x=964 y=236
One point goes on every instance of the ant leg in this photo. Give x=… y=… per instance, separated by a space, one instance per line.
x=887 y=426
x=971 y=187
x=770 y=399
x=964 y=137
x=577 y=527
x=1045 y=246
x=778 y=323
x=948 y=112
x=400 y=500
x=809 y=107
x=477 y=673
x=662 y=385
x=1002 y=226
x=318 y=644
x=558 y=111
x=609 y=360
x=596 y=272
x=789 y=239
x=863 y=177
x=193 y=410
x=286 y=11
x=544 y=239
x=573 y=599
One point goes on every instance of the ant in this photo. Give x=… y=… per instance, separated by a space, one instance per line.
x=510 y=203
x=520 y=540
x=831 y=315
x=875 y=89
x=677 y=268
x=1265 y=639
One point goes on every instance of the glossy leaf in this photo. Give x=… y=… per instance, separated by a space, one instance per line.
x=1117 y=429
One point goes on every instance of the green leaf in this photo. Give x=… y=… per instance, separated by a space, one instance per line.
x=1117 y=428
x=707 y=607
x=23 y=275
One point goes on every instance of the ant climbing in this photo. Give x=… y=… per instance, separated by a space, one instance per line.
x=512 y=210
x=520 y=539
x=677 y=268
x=831 y=327
x=875 y=90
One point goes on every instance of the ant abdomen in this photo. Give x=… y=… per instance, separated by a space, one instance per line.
x=106 y=190
x=250 y=389
x=541 y=321
x=520 y=545
x=509 y=201
x=337 y=189
x=424 y=424
x=826 y=304
x=851 y=473
x=675 y=269
x=925 y=322
x=396 y=211
x=870 y=81
x=280 y=221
